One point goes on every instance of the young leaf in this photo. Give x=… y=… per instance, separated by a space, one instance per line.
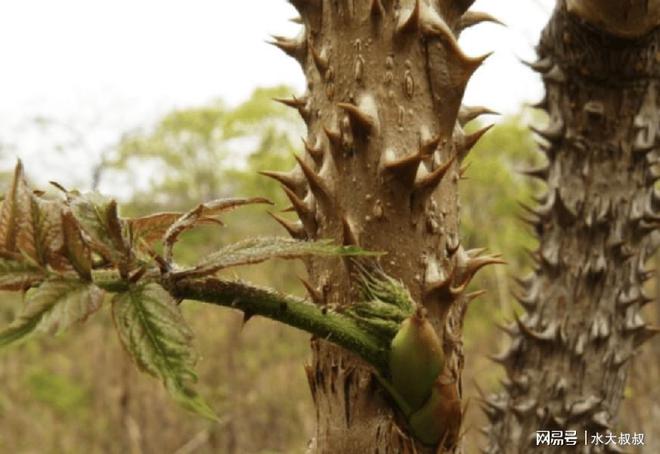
x=204 y=211
x=152 y=227
x=97 y=215
x=18 y=275
x=45 y=234
x=18 y=195
x=30 y=225
x=219 y=206
x=376 y=285
x=153 y=331
x=256 y=250
x=77 y=250
x=53 y=307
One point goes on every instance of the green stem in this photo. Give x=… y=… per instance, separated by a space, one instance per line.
x=331 y=326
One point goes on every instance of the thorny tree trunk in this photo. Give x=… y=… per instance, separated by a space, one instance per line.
x=381 y=168
x=569 y=356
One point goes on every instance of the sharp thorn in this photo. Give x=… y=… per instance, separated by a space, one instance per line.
x=247 y=315
x=476 y=252
x=361 y=121
x=470 y=141
x=295 y=229
x=287 y=179
x=376 y=10
x=292 y=102
x=471 y=18
x=304 y=212
x=316 y=184
x=440 y=288
x=315 y=152
x=410 y=23
x=466 y=114
x=477 y=263
x=312 y=291
x=334 y=137
x=474 y=295
x=433 y=179
x=456 y=291
x=428 y=148
x=295 y=103
x=542 y=66
x=472 y=64
x=405 y=168
x=350 y=237
x=551 y=134
x=320 y=60
x=451 y=249
x=289 y=46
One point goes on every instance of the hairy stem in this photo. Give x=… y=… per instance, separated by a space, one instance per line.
x=328 y=325
x=331 y=326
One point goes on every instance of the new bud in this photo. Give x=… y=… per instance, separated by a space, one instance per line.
x=416 y=359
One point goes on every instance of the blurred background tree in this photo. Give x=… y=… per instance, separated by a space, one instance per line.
x=209 y=152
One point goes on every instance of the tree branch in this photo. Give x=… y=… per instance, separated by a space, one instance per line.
x=329 y=325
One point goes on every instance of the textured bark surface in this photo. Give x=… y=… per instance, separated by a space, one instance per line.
x=569 y=356
x=624 y=18
x=381 y=169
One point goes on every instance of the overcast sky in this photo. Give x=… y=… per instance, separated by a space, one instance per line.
x=105 y=67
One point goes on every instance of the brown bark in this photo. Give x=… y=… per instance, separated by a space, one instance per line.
x=381 y=168
x=624 y=18
x=569 y=357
